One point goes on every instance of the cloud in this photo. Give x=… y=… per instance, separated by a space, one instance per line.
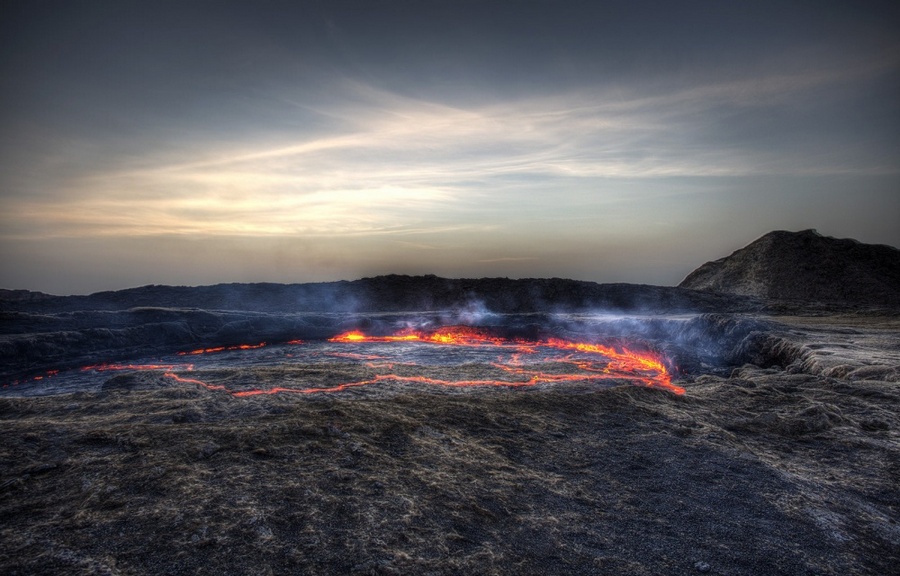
x=393 y=165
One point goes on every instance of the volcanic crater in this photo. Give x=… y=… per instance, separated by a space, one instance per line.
x=397 y=425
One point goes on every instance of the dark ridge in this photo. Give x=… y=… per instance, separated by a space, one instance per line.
x=805 y=266
x=393 y=293
x=23 y=296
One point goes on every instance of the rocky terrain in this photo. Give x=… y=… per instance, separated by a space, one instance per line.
x=806 y=267
x=781 y=457
x=391 y=293
x=37 y=330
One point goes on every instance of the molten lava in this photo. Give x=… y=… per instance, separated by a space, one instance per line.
x=645 y=367
x=458 y=335
x=229 y=348
x=519 y=363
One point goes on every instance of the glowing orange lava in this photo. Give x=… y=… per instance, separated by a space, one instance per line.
x=36 y=378
x=227 y=348
x=645 y=367
x=458 y=335
x=576 y=362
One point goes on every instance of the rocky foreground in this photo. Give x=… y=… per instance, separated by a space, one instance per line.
x=781 y=457
x=789 y=469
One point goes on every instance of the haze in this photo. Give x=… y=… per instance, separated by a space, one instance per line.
x=195 y=142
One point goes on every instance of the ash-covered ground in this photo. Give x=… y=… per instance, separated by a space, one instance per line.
x=781 y=457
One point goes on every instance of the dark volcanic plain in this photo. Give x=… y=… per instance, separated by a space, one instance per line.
x=782 y=457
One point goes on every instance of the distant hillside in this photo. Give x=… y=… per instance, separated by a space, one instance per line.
x=23 y=296
x=805 y=266
x=393 y=293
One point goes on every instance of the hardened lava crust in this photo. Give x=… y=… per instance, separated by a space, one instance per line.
x=783 y=466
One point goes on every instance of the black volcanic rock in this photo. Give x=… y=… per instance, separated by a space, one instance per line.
x=392 y=293
x=38 y=329
x=805 y=266
x=23 y=296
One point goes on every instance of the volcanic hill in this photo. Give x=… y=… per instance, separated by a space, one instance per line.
x=805 y=266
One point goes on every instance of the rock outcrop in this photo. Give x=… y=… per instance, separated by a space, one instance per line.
x=805 y=266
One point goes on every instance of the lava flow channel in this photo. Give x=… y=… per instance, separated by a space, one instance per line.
x=645 y=367
x=229 y=348
x=570 y=362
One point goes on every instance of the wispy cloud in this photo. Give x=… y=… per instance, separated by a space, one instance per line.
x=397 y=165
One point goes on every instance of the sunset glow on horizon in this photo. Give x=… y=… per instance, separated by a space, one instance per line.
x=177 y=143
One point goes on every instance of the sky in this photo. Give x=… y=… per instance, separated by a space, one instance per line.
x=198 y=142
